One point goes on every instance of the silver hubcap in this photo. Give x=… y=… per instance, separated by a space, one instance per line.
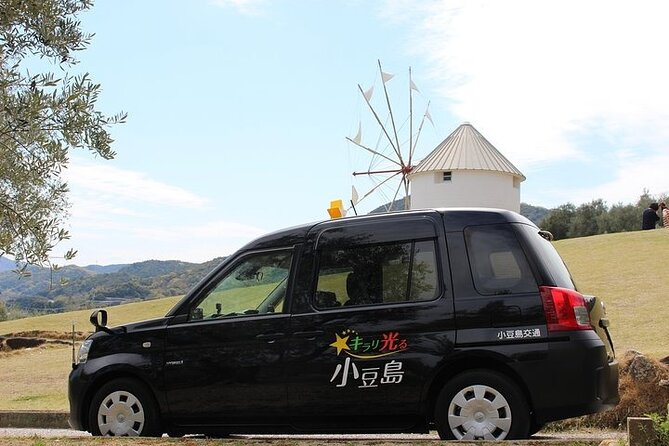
x=121 y=414
x=479 y=412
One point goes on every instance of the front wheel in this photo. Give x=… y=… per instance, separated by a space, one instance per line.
x=123 y=407
x=481 y=405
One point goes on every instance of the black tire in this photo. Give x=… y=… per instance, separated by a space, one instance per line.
x=481 y=405
x=123 y=407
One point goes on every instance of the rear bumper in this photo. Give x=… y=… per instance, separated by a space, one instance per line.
x=605 y=399
x=577 y=379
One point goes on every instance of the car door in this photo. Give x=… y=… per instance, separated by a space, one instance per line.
x=224 y=359
x=372 y=326
x=498 y=297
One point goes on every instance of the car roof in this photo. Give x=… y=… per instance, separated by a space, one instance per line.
x=455 y=219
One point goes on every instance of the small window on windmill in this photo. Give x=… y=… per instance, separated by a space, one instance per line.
x=447 y=176
x=516 y=182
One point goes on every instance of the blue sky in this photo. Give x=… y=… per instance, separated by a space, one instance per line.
x=239 y=109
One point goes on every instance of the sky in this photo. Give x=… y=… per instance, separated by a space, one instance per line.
x=238 y=110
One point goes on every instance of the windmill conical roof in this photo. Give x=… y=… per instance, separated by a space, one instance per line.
x=466 y=149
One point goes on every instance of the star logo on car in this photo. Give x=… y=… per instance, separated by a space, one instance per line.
x=340 y=343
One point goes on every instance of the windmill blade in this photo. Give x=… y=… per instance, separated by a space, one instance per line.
x=378 y=186
x=397 y=191
x=354 y=196
x=368 y=93
x=376 y=172
x=378 y=120
x=420 y=128
x=373 y=151
x=411 y=85
x=392 y=119
x=358 y=136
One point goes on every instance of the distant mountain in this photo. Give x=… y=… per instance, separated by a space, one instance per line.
x=6 y=264
x=104 y=269
x=397 y=205
x=152 y=268
x=533 y=213
x=73 y=287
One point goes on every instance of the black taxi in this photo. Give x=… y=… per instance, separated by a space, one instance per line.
x=461 y=320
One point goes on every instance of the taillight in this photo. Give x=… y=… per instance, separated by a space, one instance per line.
x=565 y=309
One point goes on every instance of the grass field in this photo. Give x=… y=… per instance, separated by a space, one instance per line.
x=37 y=378
x=62 y=322
x=628 y=271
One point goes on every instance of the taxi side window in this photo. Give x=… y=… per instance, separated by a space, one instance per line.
x=256 y=285
x=498 y=263
x=377 y=274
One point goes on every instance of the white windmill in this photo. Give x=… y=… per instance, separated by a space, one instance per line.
x=392 y=156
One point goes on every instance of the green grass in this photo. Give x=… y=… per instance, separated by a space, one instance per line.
x=62 y=322
x=629 y=271
x=36 y=379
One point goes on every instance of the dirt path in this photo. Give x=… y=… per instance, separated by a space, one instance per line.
x=62 y=437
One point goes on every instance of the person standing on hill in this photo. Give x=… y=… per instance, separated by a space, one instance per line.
x=665 y=215
x=650 y=217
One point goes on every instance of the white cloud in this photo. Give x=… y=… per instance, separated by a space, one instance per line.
x=628 y=182
x=123 y=216
x=532 y=73
x=106 y=183
x=245 y=7
x=111 y=240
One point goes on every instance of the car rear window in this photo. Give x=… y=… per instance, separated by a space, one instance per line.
x=549 y=257
x=498 y=263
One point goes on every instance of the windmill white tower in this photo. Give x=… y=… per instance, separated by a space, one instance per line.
x=465 y=170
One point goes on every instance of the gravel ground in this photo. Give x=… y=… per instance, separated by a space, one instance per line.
x=584 y=435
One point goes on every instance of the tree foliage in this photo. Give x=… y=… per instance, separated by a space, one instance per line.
x=595 y=217
x=558 y=221
x=43 y=116
x=587 y=218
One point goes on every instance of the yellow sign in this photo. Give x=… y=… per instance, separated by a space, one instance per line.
x=336 y=209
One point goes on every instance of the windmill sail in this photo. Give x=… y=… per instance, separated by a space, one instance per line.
x=397 y=154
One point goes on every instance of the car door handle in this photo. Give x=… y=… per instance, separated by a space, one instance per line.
x=270 y=337
x=308 y=334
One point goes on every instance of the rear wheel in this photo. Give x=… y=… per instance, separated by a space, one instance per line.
x=481 y=405
x=123 y=407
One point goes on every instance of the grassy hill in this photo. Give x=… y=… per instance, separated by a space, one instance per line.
x=627 y=270
x=36 y=378
x=630 y=272
x=62 y=322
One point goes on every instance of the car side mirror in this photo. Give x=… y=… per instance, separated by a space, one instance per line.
x=99 y=320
